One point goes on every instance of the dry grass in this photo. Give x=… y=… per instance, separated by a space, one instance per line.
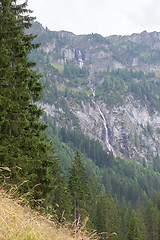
x=19 y=222
x=22 y=223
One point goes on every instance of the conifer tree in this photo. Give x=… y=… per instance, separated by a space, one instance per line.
x=23 y=146
x=78 y=187
x=107 y=219
x=152 y=221
x=59 y=196
x=141 y=220
x=133 y=231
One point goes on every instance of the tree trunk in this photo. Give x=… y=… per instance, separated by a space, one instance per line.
x=75 y=213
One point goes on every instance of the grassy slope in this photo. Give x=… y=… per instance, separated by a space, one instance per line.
x=22 y=223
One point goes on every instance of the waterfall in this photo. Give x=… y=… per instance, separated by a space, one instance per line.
x=110 y=148
x=108 y=145
x=80 y=60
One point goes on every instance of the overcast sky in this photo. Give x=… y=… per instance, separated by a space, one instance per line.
x=106 y=17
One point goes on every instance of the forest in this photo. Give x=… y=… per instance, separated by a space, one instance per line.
x=67 y=174
x=118 y=83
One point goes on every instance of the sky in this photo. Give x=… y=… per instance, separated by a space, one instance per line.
x=105 y=17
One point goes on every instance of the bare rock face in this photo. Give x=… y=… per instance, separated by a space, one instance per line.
x=128 y=130
x=131 y=131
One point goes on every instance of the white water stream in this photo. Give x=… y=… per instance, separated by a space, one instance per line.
x=108 y=145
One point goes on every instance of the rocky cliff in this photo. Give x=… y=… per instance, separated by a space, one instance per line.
x=107 y=87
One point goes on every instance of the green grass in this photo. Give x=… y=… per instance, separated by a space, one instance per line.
x=59 y=67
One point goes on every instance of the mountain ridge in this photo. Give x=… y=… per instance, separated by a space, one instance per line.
x=106 y=87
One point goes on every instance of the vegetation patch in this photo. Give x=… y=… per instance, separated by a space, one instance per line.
x=59 y=67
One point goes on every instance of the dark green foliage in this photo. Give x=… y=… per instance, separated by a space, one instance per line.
x=19 y=86
x=24 y=147
x=78 y=187
x=72 y=72
x=144 y=86
x=107 y=219
x=131 y=181
x=156 y=163
x=120 y=177
x=90 y=147
x=152 y=220
x=59 y=198
x=133 y=232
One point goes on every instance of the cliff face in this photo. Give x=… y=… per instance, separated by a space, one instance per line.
x=93 y=50
x=130 y=127
x=128 y=130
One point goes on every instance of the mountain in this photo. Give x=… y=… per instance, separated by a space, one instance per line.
x=107 y=88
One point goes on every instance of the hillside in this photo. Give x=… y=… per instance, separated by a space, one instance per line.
x=106 y=87
x=21 y=223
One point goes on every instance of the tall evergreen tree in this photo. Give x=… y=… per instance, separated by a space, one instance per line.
x=107 y=219
x=133 y=231
x=59 y=197
x=78 y=187
x=141 y=220
x=152 y=221
x=23 y=147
